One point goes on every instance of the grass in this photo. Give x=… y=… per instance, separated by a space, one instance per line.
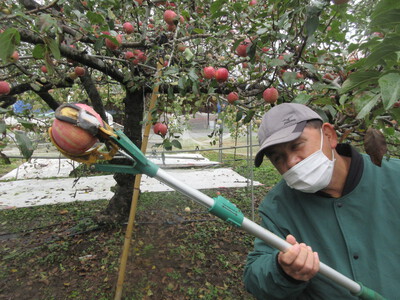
x=57 y=252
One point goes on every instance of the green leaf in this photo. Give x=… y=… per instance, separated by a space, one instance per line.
x=188 y=54
x=198 y=31
x=390 y=89
x=238 y=7
x=365 y=103
x=383 y=52
x=26 y=124
x=358 y=79
x=54 y=48
x=39 y=51
x=312 y=20
x=3 y=127
x=95 y=18
x=251 y=51
x=277 y=62
x=192 y=74
x=176 y=144
x=386 y=19
x=24 y=144
x=289 y=77
x=195 y=88
x=302 y=98
x=395 y=113
x=35 y=87
x=167 y=144
x=249 y=116
x=216 y=6
x=383 y=7
x=239 y=116
x=182 y=83
x=263 y=30
x=8 y=40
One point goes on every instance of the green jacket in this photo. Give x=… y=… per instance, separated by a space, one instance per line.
x=358 y=235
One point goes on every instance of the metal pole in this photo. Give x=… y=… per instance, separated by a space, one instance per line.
x=250 y=162
x=255 y=229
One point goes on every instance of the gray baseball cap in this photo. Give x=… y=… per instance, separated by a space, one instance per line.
x=282 y=123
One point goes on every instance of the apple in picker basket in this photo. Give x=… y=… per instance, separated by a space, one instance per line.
x=221 y=75
x=71 y=138
x=160 y=128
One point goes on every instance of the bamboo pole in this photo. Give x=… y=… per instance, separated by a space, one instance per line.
x=136 y=191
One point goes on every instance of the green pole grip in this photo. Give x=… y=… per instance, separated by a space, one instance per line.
x=368 y=294
x=227 y=211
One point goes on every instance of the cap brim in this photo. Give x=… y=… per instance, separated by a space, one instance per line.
x=284 y=135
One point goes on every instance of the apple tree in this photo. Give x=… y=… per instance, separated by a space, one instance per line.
x=337 y=56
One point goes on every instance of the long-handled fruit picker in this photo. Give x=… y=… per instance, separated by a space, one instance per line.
x=84 y=119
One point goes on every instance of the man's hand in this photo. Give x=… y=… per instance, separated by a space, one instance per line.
x=299 y=261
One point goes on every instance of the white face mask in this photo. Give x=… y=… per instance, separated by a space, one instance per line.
x=312 y=174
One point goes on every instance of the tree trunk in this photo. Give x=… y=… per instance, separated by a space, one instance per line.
x=119 y=205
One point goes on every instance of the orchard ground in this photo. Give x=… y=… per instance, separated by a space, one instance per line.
x=60 y=252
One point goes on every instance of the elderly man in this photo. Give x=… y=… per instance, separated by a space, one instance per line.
x=332 y=205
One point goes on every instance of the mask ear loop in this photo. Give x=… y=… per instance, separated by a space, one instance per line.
x=322 y=141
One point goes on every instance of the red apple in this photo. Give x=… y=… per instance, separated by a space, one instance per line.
x=181 y=47
x=241 y=50
x=111 y=45
x=44 y=69
x=221 y=75
x=4 y=88
x=245 y=65
x=139 y=2
x=160 y=128
x=209 y=72
x=265 y=49
x=232 y=97
x=171 y=27
x=128 y=27
x=169 y=16
x=15 y=56
x=253 y=2
x=299 y=76
x=129 y=55
x=328 y=76
x=79 y=71
x=270 y=95
x=142 y=57
x=72 y=138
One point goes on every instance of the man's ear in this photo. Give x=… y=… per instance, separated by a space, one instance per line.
x=329 y=132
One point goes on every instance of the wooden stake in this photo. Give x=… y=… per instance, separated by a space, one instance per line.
x=136 y=191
